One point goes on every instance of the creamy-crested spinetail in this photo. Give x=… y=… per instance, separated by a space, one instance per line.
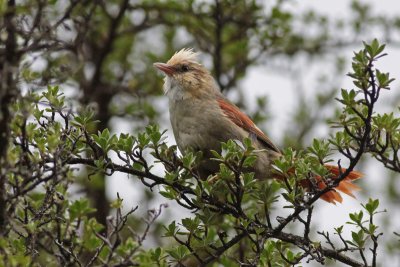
x=202 y=117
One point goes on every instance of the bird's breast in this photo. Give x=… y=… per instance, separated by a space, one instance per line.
x=200 y=126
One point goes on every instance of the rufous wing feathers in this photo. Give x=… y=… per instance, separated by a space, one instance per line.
x=243 y=121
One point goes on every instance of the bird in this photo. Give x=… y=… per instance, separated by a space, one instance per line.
x=202 y=118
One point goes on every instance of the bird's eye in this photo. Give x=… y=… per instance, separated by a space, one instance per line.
x=184 y=68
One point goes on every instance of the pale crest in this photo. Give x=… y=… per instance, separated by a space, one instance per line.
x=184 y=55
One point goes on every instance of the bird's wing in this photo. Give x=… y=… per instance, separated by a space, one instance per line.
x=243 y=121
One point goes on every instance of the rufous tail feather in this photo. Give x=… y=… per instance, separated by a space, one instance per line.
x=345 y=186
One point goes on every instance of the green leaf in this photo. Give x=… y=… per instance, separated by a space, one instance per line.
x=188 y=160
x=374 y=49
x=339 y=230
x=250 y=161
x=171 y=229
x=357 y=217
x=191 y=224
x=80 y=208
x=170 y=194
x=372 y=205
x=117 y=203
x=178 y=252
x=156 y=254
x=358 y=238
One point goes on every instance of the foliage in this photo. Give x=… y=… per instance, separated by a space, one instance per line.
x=52 y=144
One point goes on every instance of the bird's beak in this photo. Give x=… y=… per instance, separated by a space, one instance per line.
x=167 y=69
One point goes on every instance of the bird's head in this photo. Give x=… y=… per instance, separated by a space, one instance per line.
x=185 y=77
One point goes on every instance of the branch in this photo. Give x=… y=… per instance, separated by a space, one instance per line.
x=330 y=253
x=8 y=93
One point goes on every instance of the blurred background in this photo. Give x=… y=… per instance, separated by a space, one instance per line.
x=283 y=62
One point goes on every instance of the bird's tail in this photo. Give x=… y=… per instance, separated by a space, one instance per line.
x=346 y=186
